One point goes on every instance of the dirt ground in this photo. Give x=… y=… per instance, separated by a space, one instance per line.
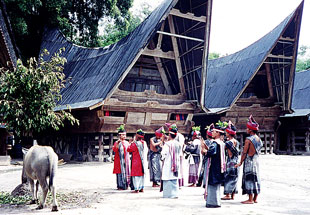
x=90 y=188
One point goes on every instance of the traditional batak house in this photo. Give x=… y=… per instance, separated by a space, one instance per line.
x=7 y=60
x=257 y=80
x=150 y=77
x=294 y=130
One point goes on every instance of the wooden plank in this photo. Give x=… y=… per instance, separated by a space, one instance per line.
x=280 y=56
x=269 y=80
x=180 y=36
x=160 y=116
x=159 y=53
x=136 y=118
x=111 y=146
x=287 y=39
x=204 y=69
x=148 y=118
x=113 y=119
x=160 y=36
x=189 y=118
x=176 y=54
x=163 y=75
x=191 y=16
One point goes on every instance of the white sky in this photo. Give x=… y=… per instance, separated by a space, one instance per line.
x=238 y=23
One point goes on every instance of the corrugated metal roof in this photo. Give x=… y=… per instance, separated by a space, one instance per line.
x=227 y=76
x=301 y=93
x=298 y=112
x=95 y=71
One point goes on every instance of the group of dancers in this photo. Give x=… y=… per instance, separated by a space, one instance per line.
x=167 y=151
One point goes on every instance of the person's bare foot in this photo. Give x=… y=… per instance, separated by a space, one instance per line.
x=255 y=201
x=247 y=202
x=226 y=198
x=192 y=185
x=135 y=191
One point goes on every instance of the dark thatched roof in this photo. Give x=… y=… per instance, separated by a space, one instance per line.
x=228 y=76
x=94 y=72
x=7 y=45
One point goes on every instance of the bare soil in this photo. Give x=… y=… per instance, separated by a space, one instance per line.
x=90 y=188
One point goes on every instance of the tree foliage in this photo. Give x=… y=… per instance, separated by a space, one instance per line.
x=113 y=32
x=78 y=20
x=28 y=95
x=303 y=59
x=213 y=55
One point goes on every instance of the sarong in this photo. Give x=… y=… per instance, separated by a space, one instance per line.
x=251 y=176
x=155 y=168
x=120 y=182
x=138 y=182
x=213 y=197
x=193 y=173
x=231 y=176
x=181 y=179
x=170 y=188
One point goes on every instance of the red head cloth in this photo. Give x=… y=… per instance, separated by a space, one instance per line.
x=231 y=129
x=252 y=124
x=209 y=131
x=159 y=132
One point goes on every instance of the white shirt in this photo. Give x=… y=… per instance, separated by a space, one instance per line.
x=167 y=174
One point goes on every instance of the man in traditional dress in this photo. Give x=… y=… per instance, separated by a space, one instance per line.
x=232 y=153
x=156 y=144
x=121 y=160
x=171 y=162
x=204 y=144
x=194 y=158
x=251 y=177
x=136 y=147
x=181 y=139
x=215 y=172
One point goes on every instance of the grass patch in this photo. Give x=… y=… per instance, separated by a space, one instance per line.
x=8 y=199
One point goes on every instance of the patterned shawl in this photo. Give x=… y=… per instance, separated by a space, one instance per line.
x=124 y=162
x=140 y=147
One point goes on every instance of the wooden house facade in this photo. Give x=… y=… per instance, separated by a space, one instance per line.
x=294 y=128
x=150 y=77
x=257 y=80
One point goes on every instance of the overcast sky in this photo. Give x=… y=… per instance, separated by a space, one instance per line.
x=238 y=23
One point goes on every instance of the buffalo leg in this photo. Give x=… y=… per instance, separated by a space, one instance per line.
x=31 y=182
x=44 y=187
x=53 y=190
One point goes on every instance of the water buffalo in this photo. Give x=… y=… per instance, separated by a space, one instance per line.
x=40 y=163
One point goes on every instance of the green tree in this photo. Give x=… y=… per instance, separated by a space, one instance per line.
x=303 y=58
x=77 y=19
x=113 y=32
x=213 y=55
x=28 y=95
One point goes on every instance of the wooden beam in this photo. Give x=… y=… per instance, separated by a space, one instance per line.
x=180 y=36
x=176 y=54
x=163 y=75
x=269 y=80
x=287 y=39
x=96 y=105
x=160 y=36
x=159 y=53
x=191 y=16
x=280 y=56
x=284 y=63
